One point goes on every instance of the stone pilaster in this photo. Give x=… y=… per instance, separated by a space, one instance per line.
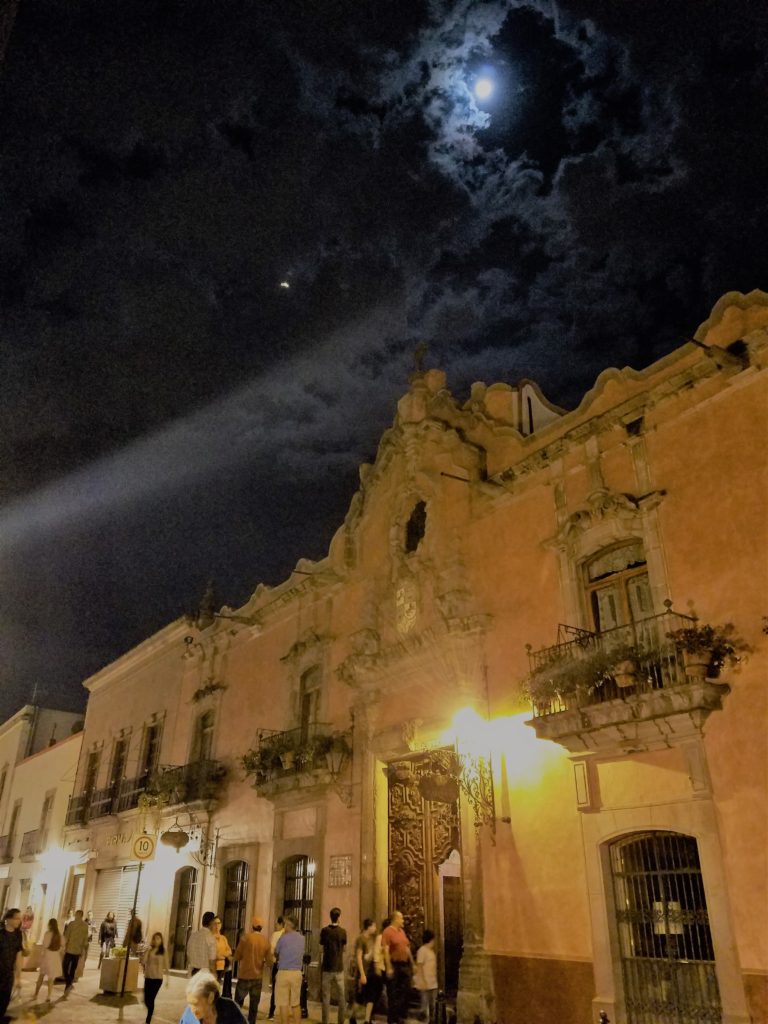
x=475 y=999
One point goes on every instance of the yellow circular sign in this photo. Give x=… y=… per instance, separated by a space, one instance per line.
x=144 y=847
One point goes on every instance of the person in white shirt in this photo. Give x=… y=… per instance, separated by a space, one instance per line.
x=426 y=975
x=201 y=947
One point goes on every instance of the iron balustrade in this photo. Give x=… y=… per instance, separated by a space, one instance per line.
x=301 y=749
x=30 y=844
x=77 y=811
x=197 y=780
x=130 y=791
x=658 y=663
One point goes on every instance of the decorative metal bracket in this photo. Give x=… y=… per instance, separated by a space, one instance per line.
x=472 y=775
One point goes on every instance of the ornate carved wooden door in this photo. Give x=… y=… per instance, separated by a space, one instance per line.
x=422 y=834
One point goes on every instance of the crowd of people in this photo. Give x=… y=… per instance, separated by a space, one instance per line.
x=380 y=967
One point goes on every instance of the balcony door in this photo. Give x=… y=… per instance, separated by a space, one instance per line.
x=617 y=587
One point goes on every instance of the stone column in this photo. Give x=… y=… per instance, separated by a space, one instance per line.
x=476 y=999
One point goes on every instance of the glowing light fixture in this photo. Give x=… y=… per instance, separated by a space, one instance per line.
x=483 y=88
x=285 y=284
x=175 y=836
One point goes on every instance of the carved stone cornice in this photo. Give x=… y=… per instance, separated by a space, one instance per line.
x=601 y=506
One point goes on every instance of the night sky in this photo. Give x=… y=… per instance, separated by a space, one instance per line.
x=170 y=411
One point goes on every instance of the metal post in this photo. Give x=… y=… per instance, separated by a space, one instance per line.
x=133 y=916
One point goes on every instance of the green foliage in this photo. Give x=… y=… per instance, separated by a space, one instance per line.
x=722 y=643
x=567 y=673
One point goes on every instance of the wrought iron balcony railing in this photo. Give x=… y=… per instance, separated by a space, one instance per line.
x=180 y=784
x=583 y=671
x=199 y=780
x=77 y=811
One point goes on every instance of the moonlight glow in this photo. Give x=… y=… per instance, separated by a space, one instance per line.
x=483 y=88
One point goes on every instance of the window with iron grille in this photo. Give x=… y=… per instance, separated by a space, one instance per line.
x=235 y=898
x=667 y=957
x=298 y=893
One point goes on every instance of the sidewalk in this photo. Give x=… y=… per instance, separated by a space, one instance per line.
x=86 y=1004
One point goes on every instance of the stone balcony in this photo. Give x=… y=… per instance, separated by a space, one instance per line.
x=662 y=702
x=309 y=758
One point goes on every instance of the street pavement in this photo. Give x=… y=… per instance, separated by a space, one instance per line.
x=86 y=1004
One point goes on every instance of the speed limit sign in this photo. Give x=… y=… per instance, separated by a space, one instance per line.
x=144 y=847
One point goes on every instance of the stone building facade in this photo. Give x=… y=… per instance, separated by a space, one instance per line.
x=500 y=555
x=39 y=750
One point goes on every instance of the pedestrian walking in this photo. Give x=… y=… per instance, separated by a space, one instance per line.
x=107 y=936
x=223 y=953
x=11 y=954
x=50 y=964
x=134 y=937
x=333 y=939
x=368 y=976
x=75 y=945
x=252 y=953
x=155 y=964
x=273 y=946
x=206 y=1004
x=290 y=956
x=201 y=946
x=425 y=977
x=398 y=962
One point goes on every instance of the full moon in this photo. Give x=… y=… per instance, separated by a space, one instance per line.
x=483 y=88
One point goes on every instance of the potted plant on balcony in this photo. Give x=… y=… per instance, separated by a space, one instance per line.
x=260 y=762
x=567 y=675
x=706 y=649
x=625 y=665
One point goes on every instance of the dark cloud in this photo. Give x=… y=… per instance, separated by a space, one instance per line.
x=165 y=403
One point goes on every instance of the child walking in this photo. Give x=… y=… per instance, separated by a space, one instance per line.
x=426 y=975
